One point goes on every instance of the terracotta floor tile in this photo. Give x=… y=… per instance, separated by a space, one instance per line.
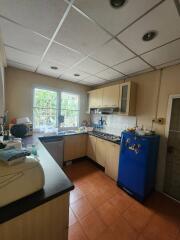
x=75 y=195
x=72 y=217
x=138 y=215
x=123 y=231
x=120 y=202
x=161 y=228
x=81 y=207
x=97 y=202
x=106 y=235
x=96 y=198
x=108 y=213
x=93 y=226
x=76 y=232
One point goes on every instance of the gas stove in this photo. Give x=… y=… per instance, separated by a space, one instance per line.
x=106 y=136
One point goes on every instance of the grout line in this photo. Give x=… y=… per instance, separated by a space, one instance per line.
x=134 y=53
x=167 y=43
x=155 y=6
x=21 y=50
x=56 y=32
x=23 y=26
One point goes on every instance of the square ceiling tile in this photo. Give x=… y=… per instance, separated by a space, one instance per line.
x=22 y=57
x=167 y=53
x=70 y=75
x=38 y=15
x=21 y=38
x=112 y=53
x=114 y=20
x=63 y=55
x=132 y=66
x=80 y=33
x=164 y=19
x=21 y=66
x=91 y=66
x=93 y=80
x=110 y=74
x=45 y=68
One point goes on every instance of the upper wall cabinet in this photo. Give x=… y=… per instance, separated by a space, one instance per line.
x=95 y=98
x=111 y=96
x=127 y=103
x=121 y=96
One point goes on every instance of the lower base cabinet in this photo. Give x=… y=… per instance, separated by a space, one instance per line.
x=105 y=154
x=48 y=221
x=91 y=147
x=75 y=146
x=101 y=151
x=112 y=160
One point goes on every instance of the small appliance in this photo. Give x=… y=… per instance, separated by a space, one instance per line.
x=137 y=164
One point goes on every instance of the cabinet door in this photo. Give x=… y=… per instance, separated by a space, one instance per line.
x=124 y=97
x=111 y=96
x=127 y=103
x=92 y=99
x=69 y=148
x=95 y=98
x=91 y=148
x=99 y=97
x=101 y=152
x=75 y=147
x=112 y=160
x=81 y=145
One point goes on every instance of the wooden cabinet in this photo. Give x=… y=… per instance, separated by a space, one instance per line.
x=111 y=96
x=95 y=98
x=75 y=146
x=101 y=151
x=91 y=148
x=47 y=221
x=112 y=160
x=105 y=154
x=127 y=103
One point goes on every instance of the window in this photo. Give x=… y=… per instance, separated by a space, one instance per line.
x=46 y=109
x=70 y=109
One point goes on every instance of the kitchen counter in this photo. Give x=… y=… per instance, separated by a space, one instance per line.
x=56 y=184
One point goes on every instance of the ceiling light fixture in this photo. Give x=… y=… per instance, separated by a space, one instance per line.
x=77 y=75
x=117 y=3
x=54 y=67
x=150 y=35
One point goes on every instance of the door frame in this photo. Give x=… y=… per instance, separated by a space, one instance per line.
x=169 y=110
x=168 y=120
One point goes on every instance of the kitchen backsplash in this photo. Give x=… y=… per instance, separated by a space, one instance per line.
x=114 y=123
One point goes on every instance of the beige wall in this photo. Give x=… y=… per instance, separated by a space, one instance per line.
x=153 y=92
x=19 y=91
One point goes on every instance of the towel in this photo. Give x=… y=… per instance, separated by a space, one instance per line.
x=10 y=154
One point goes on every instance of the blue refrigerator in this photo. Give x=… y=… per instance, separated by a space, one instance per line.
x=137 y=164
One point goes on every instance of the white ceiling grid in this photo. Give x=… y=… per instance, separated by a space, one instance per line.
x=89 y=38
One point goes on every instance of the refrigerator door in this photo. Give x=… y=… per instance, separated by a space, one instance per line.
x=133 y=164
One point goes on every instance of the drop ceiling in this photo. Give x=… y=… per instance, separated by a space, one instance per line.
x=90 y=42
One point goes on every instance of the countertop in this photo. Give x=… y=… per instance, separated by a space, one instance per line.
x=56 y=184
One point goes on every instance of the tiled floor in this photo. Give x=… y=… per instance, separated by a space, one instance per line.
x=99 y=210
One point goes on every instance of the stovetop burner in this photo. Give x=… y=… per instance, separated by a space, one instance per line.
x=106 y=136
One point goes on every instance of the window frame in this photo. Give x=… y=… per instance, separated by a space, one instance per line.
x=59 y=92
x=72 y=93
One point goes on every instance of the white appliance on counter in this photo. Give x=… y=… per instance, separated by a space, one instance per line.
x=20 y=180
